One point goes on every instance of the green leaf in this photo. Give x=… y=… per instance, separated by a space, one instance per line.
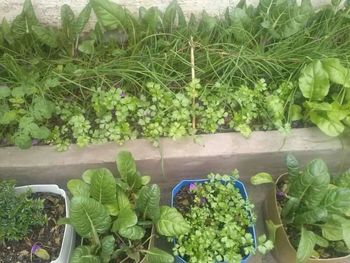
x=119 y=204
x=4 y=92
x=88 y=217
x=331 y=127
x=337 y=200
x=67 y=21
x=261 y=178
x=343 y=180
x=272 y=229
x=8 y=116
x=107 y=248
x=37 y=132
x=45 y=35
x=336 y=71
x=6 y=31
x=23 y=140
x=127 y=170
x=23 y=23
x=109 y=14
x=145 y=180
x=295 y=113
x=156 y=255
x=148 y=202
x=322 y=242
x=132 y=233
x=314 y=81
x=83 y=254
x=87 y=47
x=87 y=175
x=43 y=109
x=346 y=232
x=314 y=215
x=332 y=229
x=82 y=19
x=78 y=187
x=306 y=245
x=292 y=165
x=127 y=218
x=171 y=223
x=103 y=186
x=311 y=187
x=174 y=17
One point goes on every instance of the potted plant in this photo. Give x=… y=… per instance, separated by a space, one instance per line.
x=118 y=218
x=28 y=224
x=221 y=220
x=308 y=213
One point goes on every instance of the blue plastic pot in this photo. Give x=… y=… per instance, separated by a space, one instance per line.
x=243 y=192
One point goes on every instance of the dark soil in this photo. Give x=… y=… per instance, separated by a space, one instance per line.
x=49 y=237
x=183 y=200
x=294 y=234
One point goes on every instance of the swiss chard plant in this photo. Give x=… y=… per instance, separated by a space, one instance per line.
x=117 y=218
x=314 y=209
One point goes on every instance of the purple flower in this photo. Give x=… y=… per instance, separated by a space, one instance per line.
x=280 y=195
x=35 y=247
x=192 y=186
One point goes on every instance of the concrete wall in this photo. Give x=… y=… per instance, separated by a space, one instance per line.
x=48 y=11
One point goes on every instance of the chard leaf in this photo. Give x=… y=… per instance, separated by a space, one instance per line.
x=306 y=245
x=331 y=127
x=156 y=255
x=109 y=14
x=174 y=17
x=67 y=21
x=261 y=178
x=292 y=165
x=83 y=254
x=103 y=186
x=171 y=223
x=332 y=229
x=45 y=35
x=337 y=72
x=127 y=218
x=337 y=200
x=87 y=47
x=82 y=19
x=107 y=248
x=78 y=187
x=314 y=81
x=127 y=170
x=343 y=180
x=119 y=203
x=88 y=217
x=148 y=202
x=132 y=233
x=312 y=216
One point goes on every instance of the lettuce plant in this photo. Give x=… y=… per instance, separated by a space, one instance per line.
x=315 y=206
x=116 y=216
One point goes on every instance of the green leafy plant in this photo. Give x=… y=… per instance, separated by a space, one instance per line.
x=19 y=213
x=219 y=218
x=117 y=217
x=314 y=207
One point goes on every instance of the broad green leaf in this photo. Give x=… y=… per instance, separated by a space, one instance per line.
x=8 y=116
x=67 y=21
x=148 y=202
x=151 y=19
x=127 y=218
x=261 y=178
x=295 y=113
x=46 y=35
x=314 y=81
x=337 y=200
x=23 y=140
x=346 y=232
x=306 y=245
x=332 y=229
x=156 y=255
x=4 y=92
x=107 y=248
x=290 y=207
x=145 y=179
x=292 y=165
x=23 y=23
x=127 y=170
x=119 y=203
x=78 y=187
x=82 y=19
x=103 y=186
x=336 y=71
x=343 y=180
x=88 y=217
x=322 y=242
x=6 y=31
x=37 y=132
x=272 y=229
x=43 y=109
x=314 y=215
x=171 y=223
x=109 y=14
x=87 y=175
x=311 y=187
x=132 y=233
x=87 y=47
x=331 y=127
x=83 y=254
x=42 y=253
x=134 y=255
x=173 y=17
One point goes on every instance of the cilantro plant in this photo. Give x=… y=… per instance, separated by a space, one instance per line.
x=219 y=218
x=315 y=209
x=19 y=213
x=117 y=217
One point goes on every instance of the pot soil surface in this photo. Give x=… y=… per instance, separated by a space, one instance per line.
x=49 y=236
x=294 y=234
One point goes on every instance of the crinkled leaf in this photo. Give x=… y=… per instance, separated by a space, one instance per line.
x=121 y=202
x=292 y=165
x=87 y=47
x=337 y=200
x=132 y=233
x=148 y=202
x=88 y=216
x=306 y=245
x=332 y=229
x=82 y=19
x=171 y=223
x=109 y=14
x=43 y=109
x=156 y=255
x=78 y=187
x=336 y=71
x=23 y=140
x=314 y=81
x=331 y=127
x=45 y=35
x=83 y=254
x=261 y=178
x=314 y=215
x=322 y=242
x=343 y=180
x=103 y=186
x=127 y=170
x=127 y=218
x=346 y=232
x=107 y=248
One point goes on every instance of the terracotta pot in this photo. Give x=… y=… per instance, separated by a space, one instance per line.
x=284 y=252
